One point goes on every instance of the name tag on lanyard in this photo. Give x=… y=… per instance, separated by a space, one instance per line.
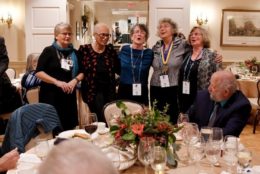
x=164 y=80
x=137 y=89
x=65 y=64
x=186 y=87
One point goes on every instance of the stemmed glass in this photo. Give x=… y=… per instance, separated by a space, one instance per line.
x=182 y=118
x=146 y=151
x=244 y=158
x=196 y=151
x=230 y=151
x=206 y=133
x=217 y=134
x=213 y=152
x=159 y=161
x=91 y=123
x=190 y=133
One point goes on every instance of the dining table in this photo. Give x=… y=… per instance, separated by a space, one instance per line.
x=29 y=161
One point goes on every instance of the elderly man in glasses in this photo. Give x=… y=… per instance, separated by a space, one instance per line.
x=100 y=63
x=222 y=105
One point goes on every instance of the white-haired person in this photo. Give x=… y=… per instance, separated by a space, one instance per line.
x=76 y=156
x=222 y=105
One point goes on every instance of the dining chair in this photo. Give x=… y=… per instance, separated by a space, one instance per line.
x=110 y=109
x=24 y=122
x=83 y=109
x=11 y=73
x=32 y=95
x=257 y=103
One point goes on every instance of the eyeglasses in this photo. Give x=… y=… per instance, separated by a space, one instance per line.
x=195 y=34
x=66 y=34
x=103 y=35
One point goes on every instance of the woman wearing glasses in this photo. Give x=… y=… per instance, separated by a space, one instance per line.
x=100 y=64
x=135 y=64
x=59 y=70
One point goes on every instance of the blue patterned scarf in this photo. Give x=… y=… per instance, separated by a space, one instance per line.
x=74 y=58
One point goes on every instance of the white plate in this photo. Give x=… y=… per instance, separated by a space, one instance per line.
x=70 y=133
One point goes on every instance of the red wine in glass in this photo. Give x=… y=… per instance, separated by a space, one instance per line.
x=90 y=128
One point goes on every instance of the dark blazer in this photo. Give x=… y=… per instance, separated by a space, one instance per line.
x=232 y=117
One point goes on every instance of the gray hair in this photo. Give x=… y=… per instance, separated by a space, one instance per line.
x=226 y=80
x=76 y=156
x=142 y=27
x=100 y=25
x=60 y=26
x=169 y=21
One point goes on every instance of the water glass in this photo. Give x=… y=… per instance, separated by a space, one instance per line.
x=146 y=151
x=217 y=134
x=190 y=133
x=213 y=152
x=182 y=118
x=159 y=161
x=196 y=152
x=230 y=151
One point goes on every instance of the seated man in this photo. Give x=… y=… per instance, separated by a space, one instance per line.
x=76 y=156
x=222 y=105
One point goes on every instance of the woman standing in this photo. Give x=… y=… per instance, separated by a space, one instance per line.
x=198 y=66
x=135 y=64
x=60 y=71
x=100 y=64
x=168 y=58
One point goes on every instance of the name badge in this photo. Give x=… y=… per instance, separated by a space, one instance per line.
x=164 y=80
x=186 y=87
x=137 y=89
x=65 y=65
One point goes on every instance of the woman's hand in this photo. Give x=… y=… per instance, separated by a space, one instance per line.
x=63 y=85
x=218 y=58
x=72 y=84
x=9 y=160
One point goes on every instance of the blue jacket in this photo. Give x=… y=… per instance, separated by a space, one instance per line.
x=232 y=117
x=22 y=125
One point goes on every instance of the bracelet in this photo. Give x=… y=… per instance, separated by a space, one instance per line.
x=77 y=79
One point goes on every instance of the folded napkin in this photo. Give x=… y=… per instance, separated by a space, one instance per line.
x=29 y=158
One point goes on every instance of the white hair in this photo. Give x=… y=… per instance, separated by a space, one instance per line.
x=76 y=156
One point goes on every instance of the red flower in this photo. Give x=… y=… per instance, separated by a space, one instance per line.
x=162 y=126
x=138 y=129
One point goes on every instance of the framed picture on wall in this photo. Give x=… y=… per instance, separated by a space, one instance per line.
x=240 y=28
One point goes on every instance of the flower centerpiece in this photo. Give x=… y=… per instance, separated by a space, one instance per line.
x=249 y=63
x=131 y=127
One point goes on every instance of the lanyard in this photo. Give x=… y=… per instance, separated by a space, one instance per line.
x=165 y=60
x=187 y=75
x=133 y=65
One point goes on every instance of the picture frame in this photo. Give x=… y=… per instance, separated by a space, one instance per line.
x=240 y=28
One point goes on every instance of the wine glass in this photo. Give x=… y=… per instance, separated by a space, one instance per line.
x=217 y=134
x=196 y=151
x=244 y=158
x=182 y=118
x=159 y=161
x=91 y=123
x=206 y=133
x=212 y=151
x=190 y=133
x=146 y=151
x=230 y=151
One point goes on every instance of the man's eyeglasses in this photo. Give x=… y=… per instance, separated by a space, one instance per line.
x=103 y=35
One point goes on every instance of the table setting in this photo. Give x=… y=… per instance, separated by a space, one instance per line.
x=145 y=143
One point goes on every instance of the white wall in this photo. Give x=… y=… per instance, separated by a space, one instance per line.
x=15 y=36
x=213 y=10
